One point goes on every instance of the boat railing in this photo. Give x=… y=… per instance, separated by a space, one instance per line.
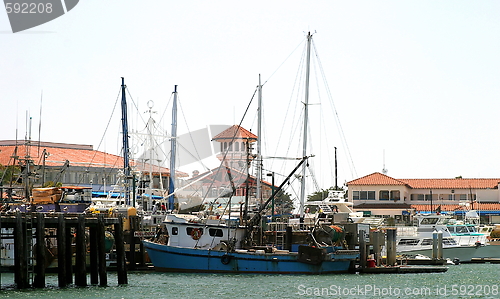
x=407 y=231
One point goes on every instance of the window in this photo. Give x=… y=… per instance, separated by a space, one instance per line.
x=395 y=195
x=463 y=196
x=236 y=146
x=363 y=195
x=175 y=231
x=449 y=241
x=215 y=232
x=242 y=146
x=408 y=242
x=417 y=197
x=383 y=195
x=427 y=242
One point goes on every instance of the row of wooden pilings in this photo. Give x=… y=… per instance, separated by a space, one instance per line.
x=30 y=267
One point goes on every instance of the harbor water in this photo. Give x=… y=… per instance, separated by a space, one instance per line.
x=460 y=281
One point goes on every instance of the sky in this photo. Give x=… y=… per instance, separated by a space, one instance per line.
x=415 y=84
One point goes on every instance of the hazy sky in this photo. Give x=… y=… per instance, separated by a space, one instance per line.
x=418 y=80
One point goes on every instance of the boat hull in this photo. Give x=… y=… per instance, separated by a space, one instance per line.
x=463 y=253
x=179 y=259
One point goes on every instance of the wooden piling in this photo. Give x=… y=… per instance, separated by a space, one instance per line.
x=288 y=238
x=391 y=246
x=131 y=252
x=39 y=281
x=101 y=252
x=362 y=249
x=94 y=262
x=69 y=254
x=120 y=252
x=81 y=250
x=61 y=251
x=20 y=258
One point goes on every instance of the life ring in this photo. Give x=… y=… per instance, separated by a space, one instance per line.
x=196 y=233
x=225 y=259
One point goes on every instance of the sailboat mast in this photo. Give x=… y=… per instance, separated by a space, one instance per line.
x=259 y=134
x=306 y=111
x=173 y=148
x=126 y=163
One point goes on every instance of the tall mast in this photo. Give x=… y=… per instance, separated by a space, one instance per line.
x=173 y=147
x=306 y=111
x=126 y=166
x=259 y=136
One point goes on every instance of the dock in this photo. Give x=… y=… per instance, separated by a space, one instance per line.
x=28 y=231
x=404 y=269
x=376 y=240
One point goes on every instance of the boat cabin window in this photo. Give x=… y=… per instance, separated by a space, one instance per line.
x=449 y=241
x=430 y=220
x=189 y=230
x=215 y=232
x=461 y=229
x=410 y=242
x=427 y=242
x=175 y=231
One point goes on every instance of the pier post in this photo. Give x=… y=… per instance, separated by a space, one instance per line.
x=81 y=250
x=39 y=281
x=120 y=252
x=69 y=253
x=94 y=262
x=131 y=256
x=61 y=251
x=20 y=258
x=434 y=245
x=391 y=246
x=288 y=238
x=440 y=245
x=362 y=249
x=378 y=240
x=101 y=251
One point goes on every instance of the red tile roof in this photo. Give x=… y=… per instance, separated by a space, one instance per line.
x=77 y=155
x=482 y=206
x=235 y=132
x=457 y=183
x=376 y=179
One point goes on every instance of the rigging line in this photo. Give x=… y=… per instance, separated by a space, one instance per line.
x=107 y=127
x=134 y=104
x=339 y=124
x=295 y=85
x=168 y=104
x=197 y=156
x=279 y=67
x=232 y=139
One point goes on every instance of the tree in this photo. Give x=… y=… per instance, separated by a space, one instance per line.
x=321 y=195
x=283 y=204
x=7 y=173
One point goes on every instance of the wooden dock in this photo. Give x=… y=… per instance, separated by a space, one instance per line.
x=30 y=261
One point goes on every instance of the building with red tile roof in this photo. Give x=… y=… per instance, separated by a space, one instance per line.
x=383 y=195
x=73 y=164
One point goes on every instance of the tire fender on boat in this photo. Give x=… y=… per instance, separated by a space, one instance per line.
x=225 y=259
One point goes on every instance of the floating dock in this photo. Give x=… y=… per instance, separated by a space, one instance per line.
x=404 y=269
